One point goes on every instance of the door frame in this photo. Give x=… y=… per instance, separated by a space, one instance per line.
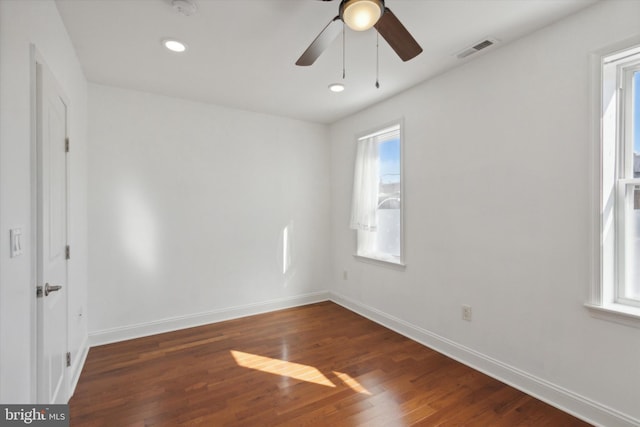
x=35 y=241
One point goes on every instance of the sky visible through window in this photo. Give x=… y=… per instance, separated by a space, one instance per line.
x=636 y=112
x=390 y=161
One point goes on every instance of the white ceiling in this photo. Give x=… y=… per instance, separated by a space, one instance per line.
x=242 y=52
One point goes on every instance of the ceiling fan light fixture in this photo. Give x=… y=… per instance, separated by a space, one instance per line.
x=361 y=15
x=336 y=87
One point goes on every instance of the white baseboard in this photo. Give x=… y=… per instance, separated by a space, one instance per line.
x=77 y=365
x=176 y=323
x=566 y=400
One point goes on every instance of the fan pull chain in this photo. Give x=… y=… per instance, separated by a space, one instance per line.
x=377 y=60
x=343 y=51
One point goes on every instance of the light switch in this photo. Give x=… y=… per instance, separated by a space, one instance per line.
x=15 y=239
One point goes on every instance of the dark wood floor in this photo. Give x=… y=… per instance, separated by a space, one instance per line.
x=314 y=365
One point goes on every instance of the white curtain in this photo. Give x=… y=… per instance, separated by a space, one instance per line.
x=365 y=186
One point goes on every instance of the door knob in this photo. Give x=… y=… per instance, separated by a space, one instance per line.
x=51 y=288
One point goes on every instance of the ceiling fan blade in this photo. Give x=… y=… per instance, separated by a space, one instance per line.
x=324 y=39
x=400 y=40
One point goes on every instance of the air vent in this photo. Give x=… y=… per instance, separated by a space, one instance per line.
x=476 y=48
x=483 y=44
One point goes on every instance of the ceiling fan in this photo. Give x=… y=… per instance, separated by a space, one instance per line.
x=361 y=15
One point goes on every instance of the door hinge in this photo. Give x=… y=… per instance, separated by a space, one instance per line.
x=66 y=145
x=67 y=252
x=68 y=358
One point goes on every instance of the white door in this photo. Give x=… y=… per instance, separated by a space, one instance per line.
x=51 y=135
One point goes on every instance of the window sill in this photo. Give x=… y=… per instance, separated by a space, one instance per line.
x=396 y=265
x=623 y=314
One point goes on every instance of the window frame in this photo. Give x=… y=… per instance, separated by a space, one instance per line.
x=626 y=71
x=399 y=263
x=611 y=160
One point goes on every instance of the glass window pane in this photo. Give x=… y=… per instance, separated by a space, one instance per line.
x=636 y=124
x=632 y=244
x=384 y=241
x=632 y=212
x=388 y=239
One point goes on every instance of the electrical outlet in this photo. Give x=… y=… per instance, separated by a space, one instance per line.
x=466 y=313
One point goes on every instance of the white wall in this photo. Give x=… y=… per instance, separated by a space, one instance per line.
x=498 y=198
x=23 y=22
x=187 y=207
x=498 y=192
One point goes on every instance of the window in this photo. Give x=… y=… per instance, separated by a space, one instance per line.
x=619 y=287
x=376 y=210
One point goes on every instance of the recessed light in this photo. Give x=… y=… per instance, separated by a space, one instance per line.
x=174 y=45
x=336 y=87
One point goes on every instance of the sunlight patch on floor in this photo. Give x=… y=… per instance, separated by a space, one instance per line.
x=281 y=367
x=294 y=370
x=352 y=383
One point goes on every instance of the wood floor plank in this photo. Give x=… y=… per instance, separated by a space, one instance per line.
x=316 y=365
